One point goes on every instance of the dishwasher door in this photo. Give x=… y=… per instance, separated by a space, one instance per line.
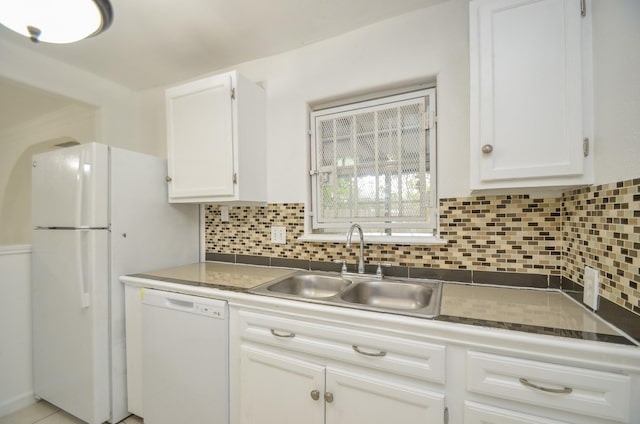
x=185 y=372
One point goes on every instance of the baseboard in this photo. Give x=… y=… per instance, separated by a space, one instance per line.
x=9 y=406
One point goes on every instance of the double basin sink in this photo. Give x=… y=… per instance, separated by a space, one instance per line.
x=360 y=291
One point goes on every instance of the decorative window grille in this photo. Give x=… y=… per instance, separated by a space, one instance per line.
x=374 y=163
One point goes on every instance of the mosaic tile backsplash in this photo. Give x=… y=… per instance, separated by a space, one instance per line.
x=597 y=226
x=602 y=230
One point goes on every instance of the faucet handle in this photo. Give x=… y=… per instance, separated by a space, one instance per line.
x=344 y=264
x=380 y=265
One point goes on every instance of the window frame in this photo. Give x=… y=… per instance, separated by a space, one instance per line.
x=422 y=233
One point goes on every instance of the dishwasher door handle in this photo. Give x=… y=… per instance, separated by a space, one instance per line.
x=182 y=305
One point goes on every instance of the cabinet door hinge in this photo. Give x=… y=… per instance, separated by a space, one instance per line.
x=235 y=178
x=233 y=93
x=583 y=8
x=585 y=147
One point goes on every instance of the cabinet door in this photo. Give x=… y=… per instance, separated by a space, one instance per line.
x=360 y=399
x=277 y=389
x=526 y=89
x=200 y=139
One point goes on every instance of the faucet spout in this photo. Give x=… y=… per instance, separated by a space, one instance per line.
x=348 y=245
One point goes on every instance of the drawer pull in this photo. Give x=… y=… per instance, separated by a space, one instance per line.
x=283 y=335
x=377 y=354
x=527 y=383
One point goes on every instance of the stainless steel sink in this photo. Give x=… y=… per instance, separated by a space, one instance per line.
x=390 y=295
x=310 y=285
x=402 y=296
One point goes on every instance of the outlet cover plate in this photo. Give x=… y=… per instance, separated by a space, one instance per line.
x=224 y=213
x=279 y=235
x=591 y=296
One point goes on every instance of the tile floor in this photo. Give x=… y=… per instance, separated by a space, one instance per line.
x=44 y=413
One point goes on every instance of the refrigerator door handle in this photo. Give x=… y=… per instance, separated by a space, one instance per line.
x=80 y=190
x=81 y=249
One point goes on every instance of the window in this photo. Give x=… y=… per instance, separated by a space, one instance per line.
x=373 y=163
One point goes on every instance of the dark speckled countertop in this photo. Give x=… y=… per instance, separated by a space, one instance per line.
x=549 y=312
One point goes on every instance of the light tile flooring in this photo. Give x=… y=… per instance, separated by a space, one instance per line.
x=44 y=413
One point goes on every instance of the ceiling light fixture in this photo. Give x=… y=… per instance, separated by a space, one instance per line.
x=59 y=22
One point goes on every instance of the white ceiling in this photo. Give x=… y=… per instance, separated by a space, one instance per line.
x=158 y=42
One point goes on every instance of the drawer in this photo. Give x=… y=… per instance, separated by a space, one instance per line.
x=400 y=355
x=579 y=390
x=476 y=413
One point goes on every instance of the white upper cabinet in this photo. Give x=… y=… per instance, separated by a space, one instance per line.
x=216 y=141
x=530 y=94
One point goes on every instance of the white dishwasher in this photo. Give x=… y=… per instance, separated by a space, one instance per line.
x=185 y=357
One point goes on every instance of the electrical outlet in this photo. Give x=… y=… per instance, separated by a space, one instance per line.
x=591 y=296
x=224 y=213
x=279 y=235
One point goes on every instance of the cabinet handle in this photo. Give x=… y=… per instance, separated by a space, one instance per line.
x=527 y=383
x=315 y=394
x=283 y=335
x=328 y=397
x=377 y=354
x=487 y=148
x=168 y=179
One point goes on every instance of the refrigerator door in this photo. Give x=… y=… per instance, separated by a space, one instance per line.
x=70 y=187
x=70 y=321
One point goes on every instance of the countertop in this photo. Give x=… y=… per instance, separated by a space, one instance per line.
x=538 y=311
x=219 y=275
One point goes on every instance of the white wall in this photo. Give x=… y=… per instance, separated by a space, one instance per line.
x=16 y=381
x=117 y=109
x=418 y=47
x=421 y=46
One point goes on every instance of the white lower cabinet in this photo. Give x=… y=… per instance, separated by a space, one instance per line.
x=313 y=368
x=277 y=388
x=309 y=371
x=569 y=393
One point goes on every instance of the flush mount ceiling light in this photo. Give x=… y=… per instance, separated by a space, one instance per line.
x=59 y=22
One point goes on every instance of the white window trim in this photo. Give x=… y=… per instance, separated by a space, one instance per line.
x=370 y=239
x=338 y=237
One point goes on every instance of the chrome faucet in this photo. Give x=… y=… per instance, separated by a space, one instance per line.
x=348 y=245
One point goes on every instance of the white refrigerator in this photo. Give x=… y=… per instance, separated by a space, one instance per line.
x=98 y=213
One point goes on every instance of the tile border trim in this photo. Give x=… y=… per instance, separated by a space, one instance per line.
x=512 y=279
